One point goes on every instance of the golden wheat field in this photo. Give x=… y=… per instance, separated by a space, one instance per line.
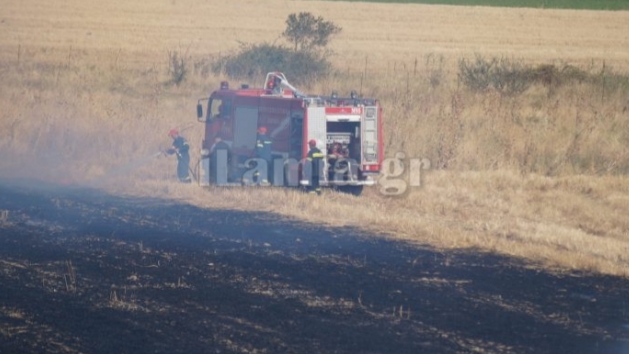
x=85 y=97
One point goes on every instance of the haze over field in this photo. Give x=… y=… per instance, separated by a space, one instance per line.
x=85 y=97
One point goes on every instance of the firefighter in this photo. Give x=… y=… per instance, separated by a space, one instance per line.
x=223 y=111
x=335 y=156
x=263 y=151
x=315 y=162
x=337 y=152
x=274 y=85
x=180 y=147
x=277 y=86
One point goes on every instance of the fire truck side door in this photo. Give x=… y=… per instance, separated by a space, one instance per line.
x=316 y=125
x=245 y=126
x=296 y=134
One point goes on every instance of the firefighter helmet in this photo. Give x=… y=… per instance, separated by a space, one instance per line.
x=312 y=143
x=262 y=130
x=173 y=132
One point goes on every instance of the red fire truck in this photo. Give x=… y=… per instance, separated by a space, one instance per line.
x=348 y=130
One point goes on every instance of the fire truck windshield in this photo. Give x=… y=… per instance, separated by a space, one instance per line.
x=219 y=108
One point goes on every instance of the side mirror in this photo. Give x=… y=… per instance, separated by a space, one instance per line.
x=200 y=117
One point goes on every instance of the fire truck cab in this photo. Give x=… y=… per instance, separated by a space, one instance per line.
x=348 y=131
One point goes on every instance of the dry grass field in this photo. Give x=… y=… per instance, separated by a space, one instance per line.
x=85 y=97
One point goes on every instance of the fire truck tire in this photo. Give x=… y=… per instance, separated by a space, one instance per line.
x=353 y=190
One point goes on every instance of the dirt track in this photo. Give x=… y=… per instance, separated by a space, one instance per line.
x=83 y=271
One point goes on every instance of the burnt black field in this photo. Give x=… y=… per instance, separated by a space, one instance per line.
x=82 y=271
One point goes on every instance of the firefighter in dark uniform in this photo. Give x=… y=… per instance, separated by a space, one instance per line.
x=180 y=147
x=315 y=163
x=263 y=151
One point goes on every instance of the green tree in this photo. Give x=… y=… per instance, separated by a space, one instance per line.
x=307 y=32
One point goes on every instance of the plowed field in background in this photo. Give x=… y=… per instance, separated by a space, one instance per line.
x=374 y=35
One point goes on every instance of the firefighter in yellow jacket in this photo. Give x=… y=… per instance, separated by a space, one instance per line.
x=315 y=162
x=263 y=151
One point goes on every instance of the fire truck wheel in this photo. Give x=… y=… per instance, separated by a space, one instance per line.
x=353 y=190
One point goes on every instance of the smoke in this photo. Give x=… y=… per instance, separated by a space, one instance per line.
x=123 y=170
x=79 y=123
x=71 y=157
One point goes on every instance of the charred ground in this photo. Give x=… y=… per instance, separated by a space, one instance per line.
x=82 y=271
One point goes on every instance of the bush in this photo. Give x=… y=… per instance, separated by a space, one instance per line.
x=306 y=32
x=255 y=60
x=551 y=75
x=306 y=61
x=177 y=68
x=503 y=75
x=512 y=78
